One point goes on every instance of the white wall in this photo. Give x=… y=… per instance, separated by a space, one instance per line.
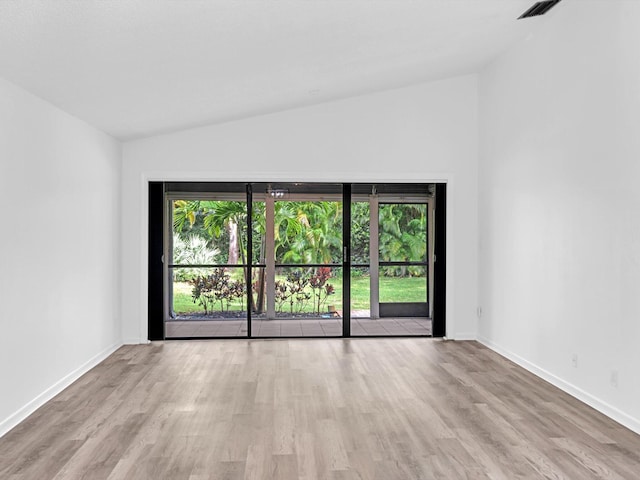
x=59 y=250
x=559 y=209
x=421 y=133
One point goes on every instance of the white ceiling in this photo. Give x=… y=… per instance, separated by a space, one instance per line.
x=135 y=68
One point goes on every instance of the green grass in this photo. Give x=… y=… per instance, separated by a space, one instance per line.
x=410 y=289
x=392 y=289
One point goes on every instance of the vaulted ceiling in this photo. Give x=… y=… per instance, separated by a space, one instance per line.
x=135 y=68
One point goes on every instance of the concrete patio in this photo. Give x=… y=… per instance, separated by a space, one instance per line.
x=298 y=327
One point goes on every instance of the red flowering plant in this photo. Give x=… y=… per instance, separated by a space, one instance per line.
x=297 y=283
x=321 y=289
x=216 y=287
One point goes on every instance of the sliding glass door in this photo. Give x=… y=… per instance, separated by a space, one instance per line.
x=402 y=259
x=390 y=250
x=278 y=260
x=206 y=265
x=299 y=287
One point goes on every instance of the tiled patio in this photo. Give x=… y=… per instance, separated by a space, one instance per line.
x=297 y=327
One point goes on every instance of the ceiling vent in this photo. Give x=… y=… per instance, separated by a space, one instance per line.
x=539 y=8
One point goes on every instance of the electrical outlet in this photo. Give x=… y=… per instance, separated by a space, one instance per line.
x=614 y=378
x=574 y=360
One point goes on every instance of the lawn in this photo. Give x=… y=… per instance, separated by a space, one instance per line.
x=392 y=289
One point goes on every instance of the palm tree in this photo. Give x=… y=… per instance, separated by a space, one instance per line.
x=304 y=232
x=403 y=233
x=317 y=236
x=217 y=219
x=227 y=215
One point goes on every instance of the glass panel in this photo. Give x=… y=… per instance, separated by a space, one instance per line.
x=259 y=239
x=304 y=298
x=207 y=301
x=209 y=232
x=209 y=254
x=360 y=274
x=308 y=302
x=209 y=292
x=360 y=233
x=258 y=292
x=403 y=232
x=360 y=292
x=308 y=232
x=403 y=284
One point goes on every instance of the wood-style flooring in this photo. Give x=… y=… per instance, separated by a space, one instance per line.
x=385 y=409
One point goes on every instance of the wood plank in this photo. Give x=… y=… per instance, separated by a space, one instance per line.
x=408 y=408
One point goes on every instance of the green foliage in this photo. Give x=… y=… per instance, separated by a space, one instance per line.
x=300 y=286
x=360 y=232
x=208 y=219
x=297 y=282
x=191 y=250
x=217 y=215
x=217 y=287
x=308 y=232
x=392 y=289
x=188 y=219
x=321 y=289
x=208 y=231
x=403 y=236
x=283 y=295
x=184 y=212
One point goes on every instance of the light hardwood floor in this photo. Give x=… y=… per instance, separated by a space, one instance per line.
x=315 y=409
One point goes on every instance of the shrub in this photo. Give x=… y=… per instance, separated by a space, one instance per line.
x=298 y=282
x=321 y=289
x=217 y=287
x=191 y=250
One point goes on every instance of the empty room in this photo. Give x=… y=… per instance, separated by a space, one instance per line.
x=320 y=239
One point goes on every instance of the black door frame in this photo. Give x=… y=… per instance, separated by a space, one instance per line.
x=407 y=309
x=439 y=322
x=346 y=260
x=155 y=267
x=155 y=300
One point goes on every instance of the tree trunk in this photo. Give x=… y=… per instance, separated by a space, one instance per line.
x=233 y=242
x=252 y=304
x=261 y=285
x=262 y=278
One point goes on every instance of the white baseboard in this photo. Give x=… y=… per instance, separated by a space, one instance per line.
x=465 y=336
x=610 y=411
x=13 y=420
x=134 y=341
